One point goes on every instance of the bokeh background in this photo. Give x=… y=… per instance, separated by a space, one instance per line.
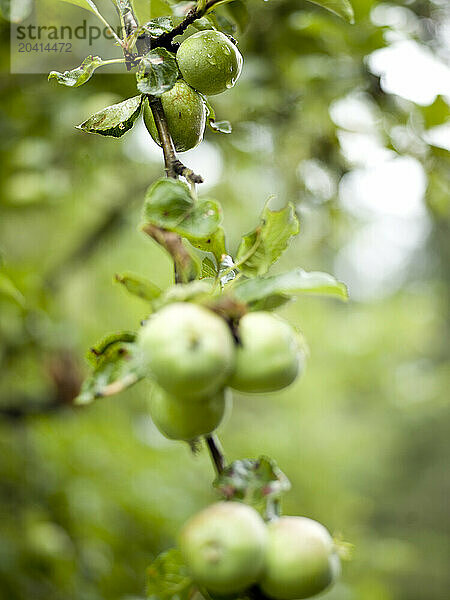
x=349 y=122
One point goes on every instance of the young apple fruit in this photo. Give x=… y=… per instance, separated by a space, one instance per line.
x=268 y=357
x=209 y=62
x=301 y=559
x=224 y=547
x=188 y=350
x=179 y=419
x=185 y=114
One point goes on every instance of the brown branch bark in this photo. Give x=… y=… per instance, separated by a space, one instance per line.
x=172 y=243
x=173 y=166
x=166 y=39
x=216 y=452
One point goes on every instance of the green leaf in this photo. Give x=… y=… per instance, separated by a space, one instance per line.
x=80 y=75
x=214 y=243
x=158 y=26
x=86 y=4
x=117 y=366
x=157 y=72
x=114 y=120
x=167 y=202
x=277 y=289
x=208 y=268
x=255 y=482
x=260 y=248
x=139 y=286
x=341 y=8
x=169 y=205
x=168 y=577
x=202 y=220
x=96 y=353
x=9 y=291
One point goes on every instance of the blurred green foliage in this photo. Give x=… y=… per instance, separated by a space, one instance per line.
x=88 y=497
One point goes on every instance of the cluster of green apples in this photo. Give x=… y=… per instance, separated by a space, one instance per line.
x=209 y=63
x=228 y=549
x=193 y=358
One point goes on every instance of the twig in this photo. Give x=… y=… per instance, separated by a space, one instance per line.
x=216 y=452
x=165 y=39
x=173 y=166
x=183 y=264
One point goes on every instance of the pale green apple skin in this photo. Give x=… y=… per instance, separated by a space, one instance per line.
x=268 y=357
x=224 y=547
x=185 y=113
x=209 y=62
x=178 y=419
x=188 y=350
x=301 y=560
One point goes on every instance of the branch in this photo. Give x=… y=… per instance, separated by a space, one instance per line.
x=216 y=452
x=174 y=167
x=183 y=264
x=166 y=39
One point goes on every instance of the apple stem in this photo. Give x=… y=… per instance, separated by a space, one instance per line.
x=216 y=452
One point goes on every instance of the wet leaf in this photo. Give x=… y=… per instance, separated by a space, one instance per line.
x=157 y=72
x=80 y=75
x=114 y=120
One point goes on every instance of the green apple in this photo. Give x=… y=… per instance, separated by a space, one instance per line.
x=301 y=559
x=188 y=350
x=209 y=62
x=224 y=547
x=268 y=357
x=185 y=114
x=179 y=419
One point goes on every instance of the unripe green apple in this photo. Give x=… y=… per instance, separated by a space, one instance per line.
x=179 y=419
x=209 y=62
x=224 y=547
x=185 y=114
x=187 y=349
x=268 y=357
x=301 y=560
